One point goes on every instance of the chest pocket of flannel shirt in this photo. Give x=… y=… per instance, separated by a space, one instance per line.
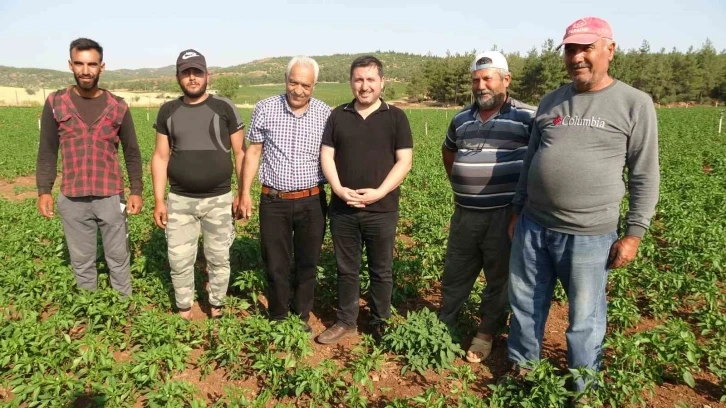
x=67 y=127
x=110 y=128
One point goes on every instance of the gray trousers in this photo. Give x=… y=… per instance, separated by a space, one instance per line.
x=477 y=239
x=82 y=218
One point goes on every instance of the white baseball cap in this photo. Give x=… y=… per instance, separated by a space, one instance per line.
x=489 y=59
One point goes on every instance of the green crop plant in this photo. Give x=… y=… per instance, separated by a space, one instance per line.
x=60 y=345
x=422 y=340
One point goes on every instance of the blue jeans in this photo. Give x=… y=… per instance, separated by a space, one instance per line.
x=539 y=257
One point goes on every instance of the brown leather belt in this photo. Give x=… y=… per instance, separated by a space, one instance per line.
x=290 y=195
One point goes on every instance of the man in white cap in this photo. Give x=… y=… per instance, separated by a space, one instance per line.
x=583 y=137
x=482 y=153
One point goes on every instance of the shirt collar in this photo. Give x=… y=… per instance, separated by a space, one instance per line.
x=351 y=106
x=288 y=109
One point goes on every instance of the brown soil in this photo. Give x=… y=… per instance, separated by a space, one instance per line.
x=212 y=386
x=27 y=184
x=199 y=312
x=7 y=188
x=5 y=393
x=122 y=356
x=646 y=323
x=408 y=242
x=405 y=104
x=389 y=384
x=707 y=169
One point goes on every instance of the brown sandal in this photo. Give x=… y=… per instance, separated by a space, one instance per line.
x=186 y=313
x=478 y=347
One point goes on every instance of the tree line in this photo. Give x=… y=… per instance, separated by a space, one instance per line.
x=694 y=76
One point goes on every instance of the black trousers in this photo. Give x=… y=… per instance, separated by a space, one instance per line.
x=377 y=231
x=477 y=239
x=291 y=228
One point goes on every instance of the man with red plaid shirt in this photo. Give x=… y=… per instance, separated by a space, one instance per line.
x=87 y=123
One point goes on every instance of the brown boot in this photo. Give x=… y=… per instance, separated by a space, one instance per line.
x=336 y=333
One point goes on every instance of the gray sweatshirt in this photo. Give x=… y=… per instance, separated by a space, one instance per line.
x=580 y=144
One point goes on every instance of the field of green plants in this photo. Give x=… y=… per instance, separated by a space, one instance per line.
x=332 y=93
x=63 y=347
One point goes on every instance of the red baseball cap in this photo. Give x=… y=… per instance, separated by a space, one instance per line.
x=586 y=30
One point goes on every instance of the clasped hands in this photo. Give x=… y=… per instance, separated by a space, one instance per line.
x=361 y=197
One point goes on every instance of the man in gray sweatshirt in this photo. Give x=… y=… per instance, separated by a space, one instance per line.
x=565 y=226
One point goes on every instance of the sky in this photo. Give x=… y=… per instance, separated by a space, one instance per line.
x=150 y=34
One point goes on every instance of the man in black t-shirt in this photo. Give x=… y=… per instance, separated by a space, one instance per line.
x=367 y=152
x=195 y=135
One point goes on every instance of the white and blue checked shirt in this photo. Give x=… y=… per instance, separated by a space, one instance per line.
x=291 y=144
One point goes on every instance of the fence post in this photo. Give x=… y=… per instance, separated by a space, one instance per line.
x=720 y=122
x=426 y=126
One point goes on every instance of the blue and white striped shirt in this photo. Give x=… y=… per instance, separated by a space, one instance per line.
x=489 y=155
x=291 y=144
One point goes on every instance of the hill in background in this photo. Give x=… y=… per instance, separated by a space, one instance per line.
x=443 y=80
x=333 y=68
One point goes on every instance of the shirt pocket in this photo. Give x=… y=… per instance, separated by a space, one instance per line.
x=310 y=142
x=67 y=127
x=109 y=129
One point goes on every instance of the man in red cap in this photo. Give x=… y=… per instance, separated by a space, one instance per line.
x=567 y=204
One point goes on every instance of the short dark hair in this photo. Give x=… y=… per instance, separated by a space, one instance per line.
x=85 y=44
x=366 y=61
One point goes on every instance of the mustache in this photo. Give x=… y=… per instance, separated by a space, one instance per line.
x=484 y=92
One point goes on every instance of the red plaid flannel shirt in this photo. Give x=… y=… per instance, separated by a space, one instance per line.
x=89 y=155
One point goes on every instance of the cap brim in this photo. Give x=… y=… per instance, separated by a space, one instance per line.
x=485 y=66
x=183 y=67
x=579 y=39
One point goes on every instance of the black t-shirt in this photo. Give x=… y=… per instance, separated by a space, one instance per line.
x=200 y=164
x=365 y=150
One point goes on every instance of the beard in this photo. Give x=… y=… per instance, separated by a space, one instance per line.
x=194 y=94
x=491 y=103
x=86 y=86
